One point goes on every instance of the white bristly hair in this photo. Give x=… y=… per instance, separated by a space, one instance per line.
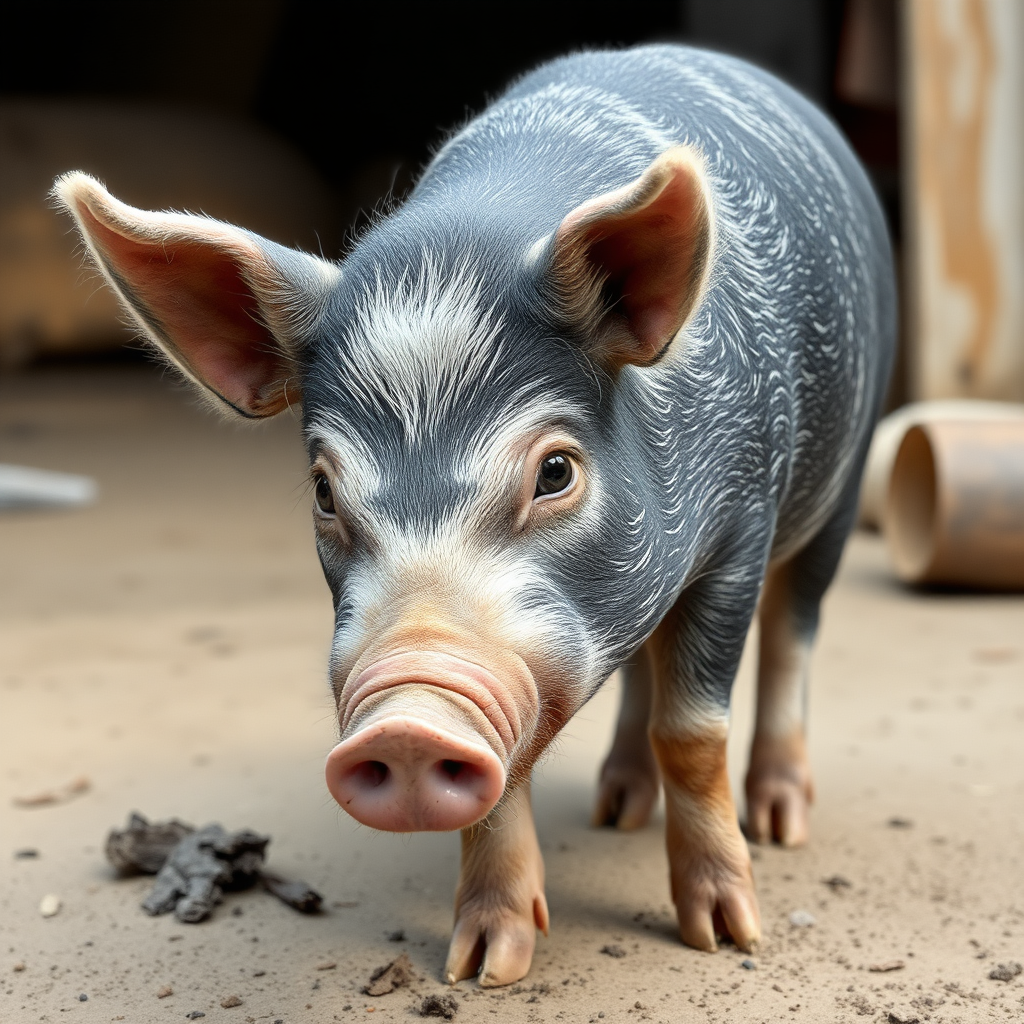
x=421 y=345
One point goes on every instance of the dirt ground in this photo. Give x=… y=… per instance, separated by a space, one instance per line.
x=169 y=644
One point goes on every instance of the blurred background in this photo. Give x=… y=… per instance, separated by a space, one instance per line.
x=296 y=118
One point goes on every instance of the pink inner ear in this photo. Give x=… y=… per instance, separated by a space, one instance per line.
x=652 y=250
x=193 y=295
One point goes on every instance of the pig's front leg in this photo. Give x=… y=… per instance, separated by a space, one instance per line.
x=499 y=902
x=696 y=651
x=627 y=789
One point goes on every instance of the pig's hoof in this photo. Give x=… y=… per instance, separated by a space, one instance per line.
x=716 y=901
x=626 y=793
x=495 y=943
x=779 y=796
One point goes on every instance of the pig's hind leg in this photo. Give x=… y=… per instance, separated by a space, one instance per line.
x=695 y=653
x=499 y=901
x=628 y=786
x=779 y=788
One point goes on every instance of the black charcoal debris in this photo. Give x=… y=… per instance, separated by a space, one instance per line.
x=142 y=848
x=200 y=867
x=194 y=868
x=298 y=895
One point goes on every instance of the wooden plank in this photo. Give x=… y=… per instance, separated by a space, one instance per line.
x=964 y=199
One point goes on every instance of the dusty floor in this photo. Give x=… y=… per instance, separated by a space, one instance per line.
x=169 y=644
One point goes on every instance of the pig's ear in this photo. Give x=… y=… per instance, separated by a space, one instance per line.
x=629 y=267
x=230 y=309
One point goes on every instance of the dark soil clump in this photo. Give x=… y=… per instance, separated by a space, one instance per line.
x=439 y=1006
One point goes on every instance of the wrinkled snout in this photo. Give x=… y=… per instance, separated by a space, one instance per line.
x=405 y=774
x=420 y=754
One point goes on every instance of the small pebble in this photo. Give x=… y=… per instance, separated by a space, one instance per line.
x=748 y=965
x=228 y=1001
x=889 y=965
x=258 y=974
x=398 y=935
x=164 y=992
x=194 y=1015
x=801 y=919
x=82 y=997
x=900 y=823
x=20 y=965
x=616 y=952
x=327 y=965
x=49 y=905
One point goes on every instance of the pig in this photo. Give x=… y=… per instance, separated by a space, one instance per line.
x=598 y=391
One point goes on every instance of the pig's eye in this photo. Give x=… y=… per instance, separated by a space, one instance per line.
x=323 y=495
x=555 y=474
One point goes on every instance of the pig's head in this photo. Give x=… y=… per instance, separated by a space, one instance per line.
x=481 y=501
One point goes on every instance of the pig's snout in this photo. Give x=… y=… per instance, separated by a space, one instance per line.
x=404 y=774
x=425 y=738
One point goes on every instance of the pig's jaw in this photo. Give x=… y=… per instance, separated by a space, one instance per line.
x=426 y=740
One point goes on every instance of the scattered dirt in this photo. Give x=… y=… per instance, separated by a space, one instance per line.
x=837 y=883
x=1005 y=972
x=26 y=854
x=49 y=797
x=389 y=977
x=95 y=677
x=445 y=1006
x=900 y=823
x=613 y=951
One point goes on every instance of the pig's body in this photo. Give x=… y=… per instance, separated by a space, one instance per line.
x=605 y=379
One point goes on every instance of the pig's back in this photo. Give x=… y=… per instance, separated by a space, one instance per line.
x=787 y=357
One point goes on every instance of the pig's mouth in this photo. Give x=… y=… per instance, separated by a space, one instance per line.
x=426 y=738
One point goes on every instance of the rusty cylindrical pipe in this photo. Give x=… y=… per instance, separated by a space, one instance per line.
x=954 y=510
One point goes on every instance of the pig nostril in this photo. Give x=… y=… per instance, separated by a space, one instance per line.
x=372 y=773
x=458 y=771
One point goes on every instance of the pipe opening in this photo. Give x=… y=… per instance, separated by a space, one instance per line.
x=911 y=507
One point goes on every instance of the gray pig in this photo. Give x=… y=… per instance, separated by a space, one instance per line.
x=600 y=389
